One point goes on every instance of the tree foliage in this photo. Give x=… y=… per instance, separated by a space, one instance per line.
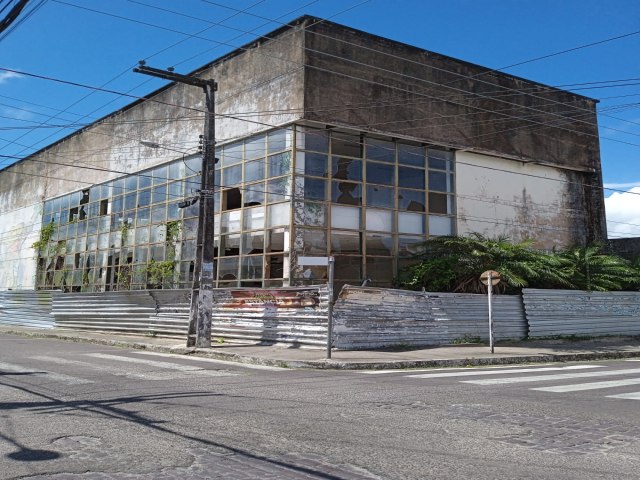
x=454 y=264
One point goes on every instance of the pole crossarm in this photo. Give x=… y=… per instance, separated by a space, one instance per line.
x=176 y=77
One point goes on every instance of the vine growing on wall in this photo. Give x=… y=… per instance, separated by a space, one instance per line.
x=46 y=234
x=160 y=273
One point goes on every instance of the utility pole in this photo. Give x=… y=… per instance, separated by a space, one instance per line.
x=199 y=334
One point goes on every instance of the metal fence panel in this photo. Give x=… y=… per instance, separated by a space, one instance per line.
x=290 y=315
x=575 y=312
x=145 y=312
x=27 y=308
x=377 y=318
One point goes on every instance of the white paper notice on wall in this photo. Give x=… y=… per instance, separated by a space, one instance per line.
x=313 y=261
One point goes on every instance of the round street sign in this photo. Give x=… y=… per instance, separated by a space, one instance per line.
x=495 y=277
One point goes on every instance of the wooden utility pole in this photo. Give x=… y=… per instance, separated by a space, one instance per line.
x=199 y=334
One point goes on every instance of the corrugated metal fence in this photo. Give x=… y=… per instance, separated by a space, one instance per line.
x=364 y=317
x=27 y=308
x=376 y=317
x=289 y=315
x=571 y=312
x=149 y=312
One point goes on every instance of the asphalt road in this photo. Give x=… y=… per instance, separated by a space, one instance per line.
x=78 y=411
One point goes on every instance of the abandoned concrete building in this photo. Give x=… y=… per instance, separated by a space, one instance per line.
x=330 y=141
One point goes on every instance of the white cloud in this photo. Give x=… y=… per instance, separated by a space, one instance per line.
x=623 y=213
x=617 y=186
x=4 y=76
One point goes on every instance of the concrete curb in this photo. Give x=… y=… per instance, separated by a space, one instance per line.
x=330 y=364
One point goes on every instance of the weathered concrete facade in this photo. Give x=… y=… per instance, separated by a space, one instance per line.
x=523 y=158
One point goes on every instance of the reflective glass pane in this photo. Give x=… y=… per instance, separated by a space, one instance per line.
x=254 y=171
x=311 y=242
x=160 y=175
x=343 y=144
x=279 y=164
x=379 y=244
x=410 y=177
x=279 y=140
x=316 y=140
x=232 y=176
x=380 y=150
x=230 y=245
x=409 y=246
x=278 y=240
x=253 y=195
x=228 y=268
x=232 y=154
x=345 y=242
x=251 y=267
x=252 y=243
x=346 y=168
x=314 y=189
x=379 y=270
x=380 y=173
x=279 y=190
x=254 y=147
x=411 y=155
x=440 y=203
x=347 y=193
x=412 y=200
x=314 y=164
x=440 y=181
x=378 y=196
x=144 y=198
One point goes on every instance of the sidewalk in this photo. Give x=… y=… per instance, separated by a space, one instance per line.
x=311 y=357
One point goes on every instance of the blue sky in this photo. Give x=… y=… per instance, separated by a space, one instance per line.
x=99 y=43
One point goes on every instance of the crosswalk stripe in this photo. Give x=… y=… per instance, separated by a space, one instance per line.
x=577 y=387
x=546 y=378
x=170 y=366
x=498 y=372
x=414 y=370
x=215 y=360
x=58 y=377
x=627 y=396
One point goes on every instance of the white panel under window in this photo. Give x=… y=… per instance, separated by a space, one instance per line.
x=254 y=218
x=279 y=214
x=440 y=225
x=379 y=220
x=231 y=221
x=411 y=223
x=345 y=217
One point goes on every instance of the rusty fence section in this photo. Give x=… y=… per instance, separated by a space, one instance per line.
x=378 y=318
x=294 y=315
x=571 y=312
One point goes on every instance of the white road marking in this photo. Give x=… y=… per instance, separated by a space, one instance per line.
x=497 y=372
x=170 y=366
x=468 y=369
x=627 y=396
x=214 y=360
x=547 y=378
x=58 y=377
x=578 y=387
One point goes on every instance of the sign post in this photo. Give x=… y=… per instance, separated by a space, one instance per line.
x=490 y=278
x=328 y=262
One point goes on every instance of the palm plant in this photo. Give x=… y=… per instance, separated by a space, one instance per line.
x=455 y=263
x=591 y=269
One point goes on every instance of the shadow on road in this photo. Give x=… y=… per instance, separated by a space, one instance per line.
x=111 y=408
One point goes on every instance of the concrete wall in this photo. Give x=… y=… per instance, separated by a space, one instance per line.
x=19 y=229
x=396 y=88
x=518 y=200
